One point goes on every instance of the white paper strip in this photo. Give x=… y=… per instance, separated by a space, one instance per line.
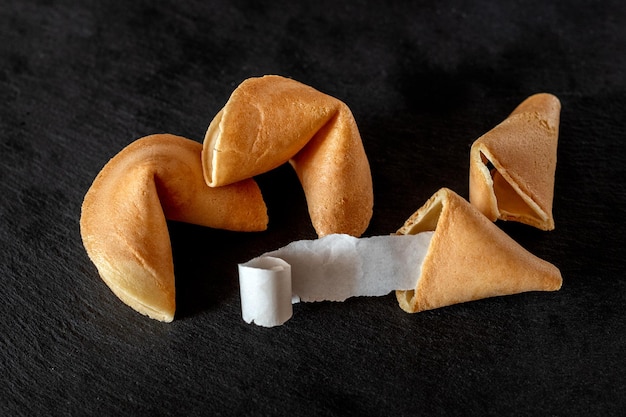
x=332 y=268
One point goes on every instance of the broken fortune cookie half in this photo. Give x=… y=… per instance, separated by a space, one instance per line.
x=271 y=120
x=512 y=167
x=123 y=218
x=469 y=258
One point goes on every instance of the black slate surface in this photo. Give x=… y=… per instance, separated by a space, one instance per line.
x=80 y=80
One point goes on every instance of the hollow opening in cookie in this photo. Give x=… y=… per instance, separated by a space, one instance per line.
x=511 y=201
x=427 y=220
x=406 y=298
x=490 y=167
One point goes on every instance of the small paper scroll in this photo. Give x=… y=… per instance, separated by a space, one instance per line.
x=332 y=268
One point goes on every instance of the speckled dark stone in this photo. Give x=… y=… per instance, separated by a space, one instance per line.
x=424 y=79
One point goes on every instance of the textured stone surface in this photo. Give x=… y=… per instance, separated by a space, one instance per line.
x=80 y=80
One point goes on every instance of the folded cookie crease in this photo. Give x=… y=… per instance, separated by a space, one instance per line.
x=469 y=258
x=512 y=167
x=271 y=120
x=124 y=217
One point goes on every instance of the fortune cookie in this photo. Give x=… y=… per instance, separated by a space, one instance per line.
x=271 y=120
x=512 y=167
x=469 y=258
x=123 y=217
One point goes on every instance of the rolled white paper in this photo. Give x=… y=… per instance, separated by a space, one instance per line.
x=266 y=298
x=332 y=268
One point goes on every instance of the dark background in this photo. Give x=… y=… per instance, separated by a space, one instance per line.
x=81 y=80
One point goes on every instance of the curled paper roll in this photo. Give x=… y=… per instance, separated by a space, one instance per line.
x=332 y=268
x=271 y=287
